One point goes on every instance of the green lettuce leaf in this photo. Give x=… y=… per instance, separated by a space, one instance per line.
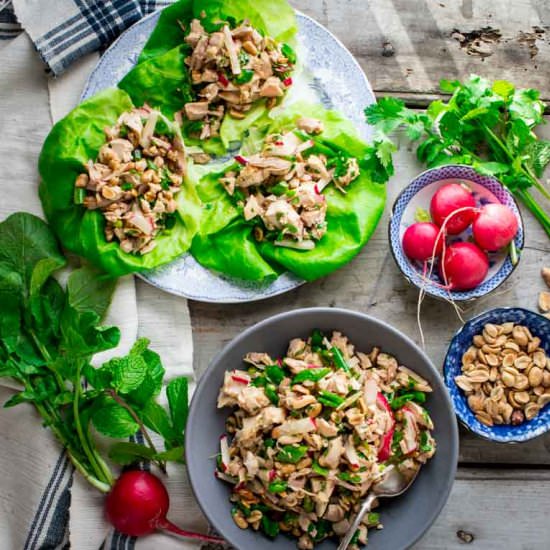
x=225 y=242
x=71 y=143
x=161 y=77
x=276 y=18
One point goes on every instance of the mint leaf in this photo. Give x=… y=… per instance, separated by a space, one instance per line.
x=113 y=420
x=128 y=373
x=174 y=455
x=126 y=453
x=152 y=383
x=156 y=418
x=177 y=392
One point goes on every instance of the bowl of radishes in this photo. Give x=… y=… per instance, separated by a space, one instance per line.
x=456 y=234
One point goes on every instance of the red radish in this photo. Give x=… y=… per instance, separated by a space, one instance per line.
x=446 y=200
x=495 y=226
x=463 y=266
x=419 y=241
x=137 y=505
x=384 y=451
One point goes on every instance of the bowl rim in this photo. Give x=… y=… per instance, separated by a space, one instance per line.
x=448 y=380
x=454 y=295
x=277 y=318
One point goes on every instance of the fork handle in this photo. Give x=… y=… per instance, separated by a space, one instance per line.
x=365 y=507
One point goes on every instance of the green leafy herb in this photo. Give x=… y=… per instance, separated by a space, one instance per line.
x=402 y=398
x=291 y=454
x=313 y=375
x=269 y=527
x=349 y=477
x=271 y=392
x=244 y=77
x=275 y=374
x=79 y=195
x=488 y=126
x=270 y=443
x=329 y=399
x=373 y=518
x=425 y=446
x=48 y=335
x=339 y=359
x=317 y=338
x=289 y=53
x=319 y=469
x=277 y=486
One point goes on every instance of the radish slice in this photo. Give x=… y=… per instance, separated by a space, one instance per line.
x=224 y=451
x=241 y=160
x=149 y=130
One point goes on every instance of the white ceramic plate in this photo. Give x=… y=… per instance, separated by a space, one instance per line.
x=330 y=75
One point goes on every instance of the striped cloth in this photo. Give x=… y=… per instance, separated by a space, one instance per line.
x=64 y=30
x=46 y=505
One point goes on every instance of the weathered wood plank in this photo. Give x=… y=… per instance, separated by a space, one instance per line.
x=408 y=47
x=498 y=508
x=373 y=284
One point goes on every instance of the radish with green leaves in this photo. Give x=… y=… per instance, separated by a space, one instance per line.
x=61 y=329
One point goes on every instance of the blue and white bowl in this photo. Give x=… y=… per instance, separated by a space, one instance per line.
x=418 y=195
x=462 y=340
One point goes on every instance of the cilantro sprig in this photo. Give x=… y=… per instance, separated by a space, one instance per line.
x=48 y=336
x=486 y=125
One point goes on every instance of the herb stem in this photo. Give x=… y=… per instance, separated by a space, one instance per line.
x=100 y=469
x=537 y=211
x=525 y=170
x=48 y=358
x=161 y=464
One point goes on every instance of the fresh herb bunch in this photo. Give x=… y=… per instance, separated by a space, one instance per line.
x=488 y=126
x=48 y=336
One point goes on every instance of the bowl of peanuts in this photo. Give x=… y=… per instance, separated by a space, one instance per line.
x=497 y=371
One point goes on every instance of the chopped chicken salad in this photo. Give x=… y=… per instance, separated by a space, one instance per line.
x=311 y=432
x=135 y=179
x=231 y=70
x=281 y=187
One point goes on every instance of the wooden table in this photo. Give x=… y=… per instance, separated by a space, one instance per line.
x=502 y=492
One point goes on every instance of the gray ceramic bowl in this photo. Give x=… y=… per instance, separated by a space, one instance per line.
x=406 y=518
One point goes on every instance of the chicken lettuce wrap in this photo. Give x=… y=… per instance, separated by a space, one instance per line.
x=218 y=67
x=114 y=186
x=300 y=196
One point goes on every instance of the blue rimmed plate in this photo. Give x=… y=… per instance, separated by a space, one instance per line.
x=330 y=75
x=417 y=196
x=462 y=340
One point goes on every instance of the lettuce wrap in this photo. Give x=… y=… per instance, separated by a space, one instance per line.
x=73 y=141
x=225 y=241
x=162 y=79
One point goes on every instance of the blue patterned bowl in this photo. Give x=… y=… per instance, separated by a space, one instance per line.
x=417 y=196
x=462 y=340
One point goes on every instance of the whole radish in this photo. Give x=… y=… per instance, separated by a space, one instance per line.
x=494 y=226
x=463 y=266
x=422 y=240
x=446 y=200
x=137 y=505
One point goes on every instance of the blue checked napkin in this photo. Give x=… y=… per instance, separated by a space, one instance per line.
x=64 y=30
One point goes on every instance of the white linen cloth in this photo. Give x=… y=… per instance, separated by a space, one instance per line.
x=42 y=504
